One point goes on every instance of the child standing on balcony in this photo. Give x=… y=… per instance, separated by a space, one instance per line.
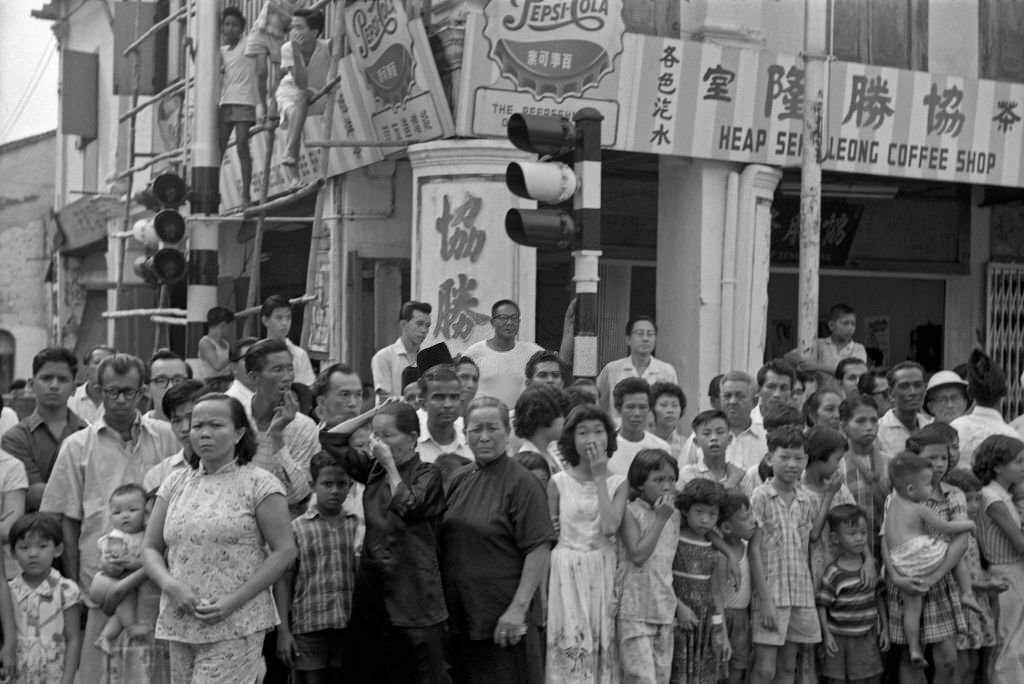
x=238 y=93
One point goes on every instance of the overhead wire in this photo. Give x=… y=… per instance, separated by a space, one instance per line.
x=26 y=97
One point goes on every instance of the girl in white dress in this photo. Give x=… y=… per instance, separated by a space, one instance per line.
x=587 y=504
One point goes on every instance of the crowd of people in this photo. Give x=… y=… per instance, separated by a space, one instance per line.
x=489 y=518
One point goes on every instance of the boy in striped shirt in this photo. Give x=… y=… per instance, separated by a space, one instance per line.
x=852 y=613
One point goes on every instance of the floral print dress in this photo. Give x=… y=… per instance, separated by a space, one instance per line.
x=39 y=616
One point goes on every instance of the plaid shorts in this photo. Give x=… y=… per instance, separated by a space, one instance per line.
x=942 y=616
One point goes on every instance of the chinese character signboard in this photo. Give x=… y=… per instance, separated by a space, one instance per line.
x=467 y=261
x=398 y=72
x=549 y=57
x=705 y=100
x=893 y=122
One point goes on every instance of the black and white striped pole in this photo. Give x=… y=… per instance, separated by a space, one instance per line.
x=587 y=210
x=551 y=181
x=205 y=176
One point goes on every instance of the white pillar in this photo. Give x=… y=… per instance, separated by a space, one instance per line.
x=462 y=260
x=691 y=222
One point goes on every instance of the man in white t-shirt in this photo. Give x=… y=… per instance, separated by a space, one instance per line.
x=502 y=358
x=276 y=316
x=632 y=398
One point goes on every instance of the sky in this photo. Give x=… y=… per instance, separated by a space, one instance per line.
x=28 y=72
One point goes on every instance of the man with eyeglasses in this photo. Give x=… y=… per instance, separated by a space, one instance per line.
x=641 y=338
x=906 y=390
x=502 y=358
x=166 y=369
x=117 y=449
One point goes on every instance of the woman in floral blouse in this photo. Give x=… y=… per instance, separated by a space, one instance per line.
x=224 y=526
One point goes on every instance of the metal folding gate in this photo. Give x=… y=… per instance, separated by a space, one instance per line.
x=1004 y=328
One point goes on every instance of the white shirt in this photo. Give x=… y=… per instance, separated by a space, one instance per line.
x=300 y=360
x=387 y=366
x=429 y=449
x=502 y=373
x=975 y=426
x=319 y=65
x=550 y=454
x=828 y=355
x=747 y=448
x=156 y=475
x=626 y=451
x=614 y=371
x=8 y=419
x=892 y=434
x=83 y=406
x=733 y=474
x=238 y=76
x=242 y=394
x=459 y=424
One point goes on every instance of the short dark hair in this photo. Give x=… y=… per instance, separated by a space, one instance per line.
x=963 y=479
x=321 y=460
x=166 y=354
x=866 y=384
x=660 y=389
x=715 y=386
x=406 y=420
x=463 y=360
x=700 y=491
x=122 y=364
x=314 y=19
x=705 y=417
x=129 y=488
x=995 y=451
x=43 y=525
x=567 y=442
x=442 y=372
x=851 y=404
x=546 y=356
x=637 y=319
x=930 y=435
x=629 y=386
x=236 y=353
x=410 y=307
x=846 y=363
x=778 y=416
x=906 y=465
x=273 y=303
x=256 y=356
x=903 y=365
x=232 y=12
x=245 y=448
x=181 y=394
x=92 y=350
x=646 y=462
x=503 y=302
x=733 y=502
x=531 y=460
x=837 y=311
x=779 y=367
x=821 y=441
x=323 y=379
x=786 y=437
x=579 y=396
x=845 y=514
x=55 y=355
x=538 y=407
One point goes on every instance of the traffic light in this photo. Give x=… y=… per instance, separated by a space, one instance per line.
x=549 y=182
x=166 y=229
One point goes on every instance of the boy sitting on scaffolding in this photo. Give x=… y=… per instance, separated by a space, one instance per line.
x=305 y=66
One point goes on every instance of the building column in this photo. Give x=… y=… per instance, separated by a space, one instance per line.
x=714 y=229
x=462 y=260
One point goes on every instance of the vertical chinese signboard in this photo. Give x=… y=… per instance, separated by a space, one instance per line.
x=396 y=68
x=460 y=234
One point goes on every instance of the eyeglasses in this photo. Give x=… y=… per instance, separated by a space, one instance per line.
x=129 y=393
x=507 y=318
x=162 y=381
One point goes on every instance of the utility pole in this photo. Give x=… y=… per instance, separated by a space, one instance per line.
x=205 y=176
x=815 y=58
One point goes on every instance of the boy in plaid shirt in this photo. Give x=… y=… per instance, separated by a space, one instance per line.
x=314 y=597
x=783 y=616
